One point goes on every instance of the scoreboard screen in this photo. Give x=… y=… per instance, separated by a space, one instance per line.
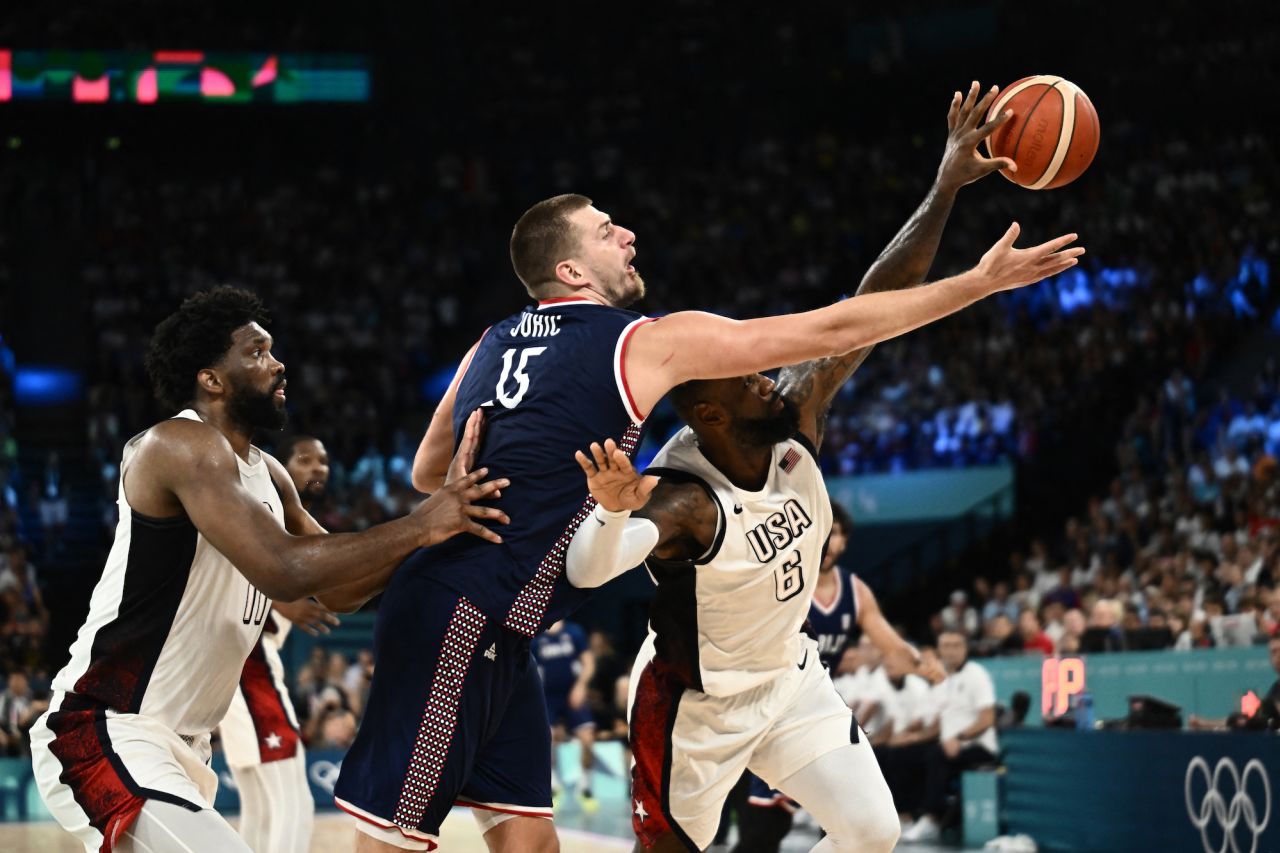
x=188 y=76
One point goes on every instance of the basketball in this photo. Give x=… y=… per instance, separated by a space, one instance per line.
x=1052 y=135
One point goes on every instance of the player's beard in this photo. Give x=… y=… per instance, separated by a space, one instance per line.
x=257 y=409
x=627 y=291
x=313 y=491
x=768 y=431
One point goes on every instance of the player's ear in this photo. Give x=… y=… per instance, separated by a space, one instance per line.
x=710 y=414
x=209 y=381
x=571 y=273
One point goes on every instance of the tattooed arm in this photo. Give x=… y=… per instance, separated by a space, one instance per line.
x=906 y=260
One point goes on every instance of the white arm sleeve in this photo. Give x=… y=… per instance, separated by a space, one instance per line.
x=606 y=545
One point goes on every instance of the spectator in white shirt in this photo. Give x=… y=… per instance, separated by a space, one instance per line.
x=966 y=731
x=959 y=616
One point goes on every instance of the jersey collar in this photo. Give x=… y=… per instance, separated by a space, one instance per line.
x=568 y=300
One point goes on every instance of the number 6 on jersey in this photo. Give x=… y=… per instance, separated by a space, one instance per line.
x=789 y=577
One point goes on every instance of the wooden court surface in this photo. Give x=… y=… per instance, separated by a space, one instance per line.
x=334 y=833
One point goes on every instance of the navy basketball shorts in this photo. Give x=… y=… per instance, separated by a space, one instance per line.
x=561 y=713
x=455 y=716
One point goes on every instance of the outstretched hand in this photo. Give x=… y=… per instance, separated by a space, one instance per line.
x=613 y=480
x=961 y=162
x=1008 y=268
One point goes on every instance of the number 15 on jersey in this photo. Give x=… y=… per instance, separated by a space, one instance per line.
x=519 y=374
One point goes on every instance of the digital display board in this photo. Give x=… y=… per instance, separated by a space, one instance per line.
x=182 y=76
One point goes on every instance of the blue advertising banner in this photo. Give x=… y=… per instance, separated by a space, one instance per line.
x=1104 y=791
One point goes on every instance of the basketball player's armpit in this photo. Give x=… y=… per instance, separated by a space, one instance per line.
x=812 y=385
x=686 y=520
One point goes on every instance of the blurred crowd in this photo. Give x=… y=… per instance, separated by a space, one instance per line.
x=1181 y=551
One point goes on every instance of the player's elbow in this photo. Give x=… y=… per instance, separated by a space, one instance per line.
x=337 y=603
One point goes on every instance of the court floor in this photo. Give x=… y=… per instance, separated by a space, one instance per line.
x=334 y=834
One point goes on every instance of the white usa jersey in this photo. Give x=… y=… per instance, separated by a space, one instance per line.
x=171 y=620
x=731 y=619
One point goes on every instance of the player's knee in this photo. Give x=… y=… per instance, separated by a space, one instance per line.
x=875 y=832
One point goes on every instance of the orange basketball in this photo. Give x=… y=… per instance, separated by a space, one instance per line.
x=1052 y=135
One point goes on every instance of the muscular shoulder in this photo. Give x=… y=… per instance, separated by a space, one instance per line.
x=171 y=458
x=184 y=447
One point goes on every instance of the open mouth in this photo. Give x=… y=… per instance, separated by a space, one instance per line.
x=279 y=392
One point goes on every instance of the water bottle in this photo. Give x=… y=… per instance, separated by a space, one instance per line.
x=1084 y=711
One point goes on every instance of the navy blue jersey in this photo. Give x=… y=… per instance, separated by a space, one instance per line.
x=550 y=380
x=835 y=627
x=557 y=656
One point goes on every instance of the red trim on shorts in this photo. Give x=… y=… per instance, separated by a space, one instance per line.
x=632 y=408
x=652 y=719
x=468 y=804
x=266 y=709
x=431 y=845
x=99 y=782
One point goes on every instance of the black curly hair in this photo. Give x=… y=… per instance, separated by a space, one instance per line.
x=197 y=336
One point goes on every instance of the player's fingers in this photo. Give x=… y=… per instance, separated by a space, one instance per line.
x=1010 y=236
x=609 y=447
x=995 y=164
x=1050 y=246
x=331 y=618
x=588 y=467
x=953 y=112
x=465 y=456
x=967 y=107
x=983 y=131
x=466 y=481
x=982 y=107
x=597 y=453
x=648 y=483
x=486 y=490
x=621 y=461
x=488 y=512
x=1071 y=252
x=309 y=629
x=483 y=532
x=1051 y=269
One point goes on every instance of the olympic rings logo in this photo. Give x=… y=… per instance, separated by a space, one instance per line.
x=1216 y=808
